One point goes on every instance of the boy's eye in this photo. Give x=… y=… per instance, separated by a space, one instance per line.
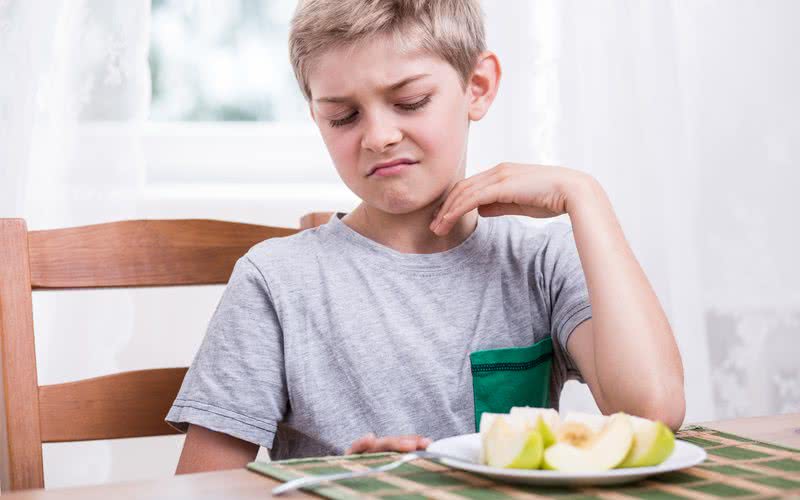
x=406 y=107
x=344 y=121
x=415 y=105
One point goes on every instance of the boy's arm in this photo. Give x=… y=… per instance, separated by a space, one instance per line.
x=626 y=352
x=207 y=450
x=236 y=384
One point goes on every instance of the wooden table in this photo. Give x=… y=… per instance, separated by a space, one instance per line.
x=243 y=484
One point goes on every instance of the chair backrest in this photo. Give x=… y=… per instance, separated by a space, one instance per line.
x=135 y=253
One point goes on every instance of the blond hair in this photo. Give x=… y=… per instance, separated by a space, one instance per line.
x=450 y=29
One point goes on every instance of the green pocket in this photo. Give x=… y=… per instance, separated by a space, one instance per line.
x=513 y=376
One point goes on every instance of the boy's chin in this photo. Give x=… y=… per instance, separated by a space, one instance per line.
x=404 y=201
x=396 y=207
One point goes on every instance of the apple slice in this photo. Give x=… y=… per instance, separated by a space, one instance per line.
x=486 y=422
x=605 y=450
x=545 y=420
x=653 y=442
x=592 y=421
x=512 y=444
x=579 y=429
x=487 y=419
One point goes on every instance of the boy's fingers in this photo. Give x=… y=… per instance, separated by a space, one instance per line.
x=371 y=444
x=470 y=183
x=402 y=443
x=471 y=200
x=362 y=444
x=396 y=443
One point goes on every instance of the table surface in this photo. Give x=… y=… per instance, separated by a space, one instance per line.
x=243 y=484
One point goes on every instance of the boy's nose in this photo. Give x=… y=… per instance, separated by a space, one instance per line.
x=380 y=134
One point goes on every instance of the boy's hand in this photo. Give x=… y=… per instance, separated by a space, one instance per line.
x=509 y=189
x=371 y=444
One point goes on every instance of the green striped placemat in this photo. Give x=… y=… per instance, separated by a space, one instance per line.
x=736 y=467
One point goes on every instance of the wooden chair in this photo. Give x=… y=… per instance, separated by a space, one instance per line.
x=135 y=253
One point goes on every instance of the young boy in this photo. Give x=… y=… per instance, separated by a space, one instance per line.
x=402 y=320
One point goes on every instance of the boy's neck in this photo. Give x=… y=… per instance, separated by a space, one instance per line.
x=408 y=233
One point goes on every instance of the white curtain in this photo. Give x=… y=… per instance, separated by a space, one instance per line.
x=687 y=114
x=24 y=60
x=74 y=93
x=69 y=67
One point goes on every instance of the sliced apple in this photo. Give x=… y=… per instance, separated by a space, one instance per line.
x=653 y=442
x=592 y=421
x=579 y=429
x=486 y=422
x=511 y=443
x=487 y=419
x=602 y=451
x=545 y=420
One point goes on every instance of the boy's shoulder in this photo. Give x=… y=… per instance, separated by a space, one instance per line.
x=287 y=249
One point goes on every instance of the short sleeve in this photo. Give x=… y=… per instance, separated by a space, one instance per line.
x=236 y=384
x=567 y=295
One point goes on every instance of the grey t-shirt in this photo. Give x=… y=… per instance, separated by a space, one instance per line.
x=325 y=335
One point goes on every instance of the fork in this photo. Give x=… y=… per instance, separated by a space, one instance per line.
x=305 y=482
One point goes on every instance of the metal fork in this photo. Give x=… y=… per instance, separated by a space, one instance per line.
x=305 y=482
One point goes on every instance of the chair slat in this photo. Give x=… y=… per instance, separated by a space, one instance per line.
x=314 y=219
x=116 y=254
x=21 y=451
x=122 y=405
x=142 y=253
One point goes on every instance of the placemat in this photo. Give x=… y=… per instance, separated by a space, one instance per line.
x=736 y=467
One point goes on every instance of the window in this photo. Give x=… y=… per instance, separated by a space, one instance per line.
x=226 y=110
x=222 y=60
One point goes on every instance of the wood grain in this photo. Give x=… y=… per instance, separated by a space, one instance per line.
x=116 y=254
x=122 y=405
x=142 y=253
x=21 y=447
x=237 y=484
x=783 y=430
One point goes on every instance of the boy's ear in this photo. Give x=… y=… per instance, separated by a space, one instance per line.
x=483 y=84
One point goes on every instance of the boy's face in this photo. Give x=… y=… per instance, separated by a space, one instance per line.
x=373 y=104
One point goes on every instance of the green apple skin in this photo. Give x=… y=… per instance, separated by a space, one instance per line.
x=547 y=421
x=531 y=455
x=608 y=450
x=548 y=436
x=510 y=443
x=653 y=442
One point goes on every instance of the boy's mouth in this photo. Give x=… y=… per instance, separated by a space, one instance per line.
x=391 y=167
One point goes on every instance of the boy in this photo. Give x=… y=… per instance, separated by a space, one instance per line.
x=401 y=321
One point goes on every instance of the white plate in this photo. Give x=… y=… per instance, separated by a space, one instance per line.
x=468 y=448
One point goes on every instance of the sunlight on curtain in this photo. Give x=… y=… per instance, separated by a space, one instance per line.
x=686 y=113
x=74 y=99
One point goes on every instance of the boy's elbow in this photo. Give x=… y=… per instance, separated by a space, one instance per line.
x=206 y=450
x=668 y=407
